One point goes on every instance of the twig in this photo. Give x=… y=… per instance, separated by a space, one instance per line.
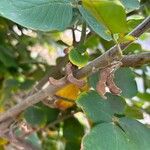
x=136 y=60
x=74 y=36
x=83 y=33
x=97 y=63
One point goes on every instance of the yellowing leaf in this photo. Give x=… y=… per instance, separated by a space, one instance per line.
x=69 y=92
x=1 y=109
x=3 y=141
x=109 y=12
x=127 y=38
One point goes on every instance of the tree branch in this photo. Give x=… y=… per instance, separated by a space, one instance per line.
x=102 y=61
x=136 y=60
x=99 y=62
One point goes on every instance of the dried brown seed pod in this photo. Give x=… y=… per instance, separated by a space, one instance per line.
x=112 y=86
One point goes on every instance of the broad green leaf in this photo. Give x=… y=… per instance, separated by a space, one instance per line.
x=131 y=4
x=106 y=136
x=73 y=132
x=97 y=27
x=138 y=133
x=77 y=58
x=128 y=135
x=98 y=109
x=125 y=80
x=50 y=113
x=73 y=145
x=35 y=116
x=110 y=13
x=42 y=15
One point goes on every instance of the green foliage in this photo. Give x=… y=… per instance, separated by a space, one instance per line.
x=78 y=58
x=123 y=129
x=128 y=134
x=102 y=110
x=131 y=5
x=73 y=132
x=133 y=48
x=125 y=79
x=27 y=60
x=35 y=116
x=40 y=115
x=133 y=112
x=104 y=9
x=99 y=28
x=27 y=14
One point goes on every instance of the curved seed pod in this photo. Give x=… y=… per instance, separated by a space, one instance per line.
x=101 y=85
x=101 y=89
x=112 y=86
x=71 y=78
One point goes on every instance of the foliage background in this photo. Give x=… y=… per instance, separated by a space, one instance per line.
x=26 y=56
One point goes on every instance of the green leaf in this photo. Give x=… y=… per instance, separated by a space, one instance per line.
x=6 y=57
x=81 y=48
x=73 y=146
x=144 y=96
x=137 y=133
x=97 y=27
x=73 y=130
x=128 y=135
x=98 y=109
x=43 y=15
x=92 y=42
x=27 y=84
x=133 y=112
x=106 y=136
x=50 y=113
x=133 y=48
x=93 y=80
x=134 y=21
x=131 y=4
x=35 y=116
x=125 y=80
x=77 y=58
x=110 y=13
